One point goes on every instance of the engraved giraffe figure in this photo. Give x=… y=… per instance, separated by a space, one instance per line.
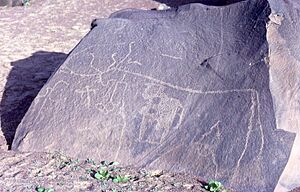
x=159 y=115
x=86 y=94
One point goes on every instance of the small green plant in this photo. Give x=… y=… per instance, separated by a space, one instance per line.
x=102 y=174
x=43 y=189
x=215 y=186
x=109 y=171
x=26 y=2
x=121 y=179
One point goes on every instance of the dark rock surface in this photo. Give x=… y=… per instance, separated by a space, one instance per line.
x=182 y=90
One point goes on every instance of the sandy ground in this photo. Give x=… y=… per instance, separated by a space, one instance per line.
x=26 y=172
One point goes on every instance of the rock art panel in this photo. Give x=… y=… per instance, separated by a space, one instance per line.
x=184 y=90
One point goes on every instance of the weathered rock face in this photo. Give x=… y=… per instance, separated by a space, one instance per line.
x=183 y=90
x=284 y=43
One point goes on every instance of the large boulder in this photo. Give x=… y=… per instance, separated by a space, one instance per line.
x=183 y=90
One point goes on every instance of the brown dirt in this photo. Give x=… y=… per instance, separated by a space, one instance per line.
x=28 y=171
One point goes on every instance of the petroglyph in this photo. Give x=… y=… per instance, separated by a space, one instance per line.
x=116 y=64
x=160 y=111
x=130 y=61
x=85 y=94
x=258 y=106
x=158 y=115
x=206 y=146
x=253 y=122
x=67 y=70
x=249 y=129
x=46 y=96
x=113 y=98
x=171 y=56
x=186 y=89
x=204 y=150
x=221 y=35
x=92 y=61
x=48 y=90
x=123 y=127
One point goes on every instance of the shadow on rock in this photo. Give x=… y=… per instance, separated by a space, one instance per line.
x=24 y=82
x=176 y=3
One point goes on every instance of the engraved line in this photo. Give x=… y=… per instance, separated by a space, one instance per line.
x=216 y=125
x=115 y=88
x=134 y=62
x=222 y=34
x=86 y=91
x=250 y=128
x=122 y=60
x=170 y=56
x=183 y=88
x=129 y=52
x=92 y=61
x=72 y=55
x=122 y=129
x=259 y=123
x=114 y=60
x=210 y=130
x=67 y=70
x=44 y=102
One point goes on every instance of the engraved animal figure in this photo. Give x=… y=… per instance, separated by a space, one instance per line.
x=86 y=95
x=159 y=115
x=205 y=147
